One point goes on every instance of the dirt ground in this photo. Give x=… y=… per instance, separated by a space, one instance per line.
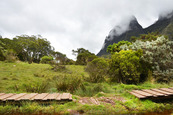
x=99 y=100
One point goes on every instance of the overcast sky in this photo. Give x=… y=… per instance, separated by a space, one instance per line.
x=72 y=24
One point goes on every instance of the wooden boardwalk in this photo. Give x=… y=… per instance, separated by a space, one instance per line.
x=162 y=93
x=35 y=97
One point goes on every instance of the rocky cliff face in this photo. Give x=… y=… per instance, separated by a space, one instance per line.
x=164 y=25
x=133 y=29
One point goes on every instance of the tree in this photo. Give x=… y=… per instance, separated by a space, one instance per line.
x=116 y=46
x=79 y=51
x=83 y=56
x=32 y=48
x=59 y=57
x=125 y=66
x=97 y=70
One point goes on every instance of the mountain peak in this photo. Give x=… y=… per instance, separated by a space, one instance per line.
x=127 y=25
x=124 y=31
x=133 y=25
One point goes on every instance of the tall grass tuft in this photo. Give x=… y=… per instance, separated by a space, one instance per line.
x=68 y=82
x=91 y=89
x=36 y=86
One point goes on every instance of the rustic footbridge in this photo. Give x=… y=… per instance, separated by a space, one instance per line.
x=161 y=93
x=42 y=97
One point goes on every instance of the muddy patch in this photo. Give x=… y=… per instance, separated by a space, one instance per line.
x=100 y=100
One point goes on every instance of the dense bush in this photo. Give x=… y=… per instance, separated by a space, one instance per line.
x=10 y=56
x=46 y=59
x=125 y=66
x=146 y=37
x=97 y=70
x=2 y=51
x=159 y=54
x=58 y=68
x=116 y=46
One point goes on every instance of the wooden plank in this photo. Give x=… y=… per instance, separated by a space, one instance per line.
x=15 y=97
x=2 y=97
x=163 y=92
x=137 y=95
x=59 y=97
x=171 y=88
x=155 y=94
x=2 y=94
x=40 y=96
x=143 y=93
x=35 y=96
x=167 y=89
x=70 y=98
x=52 y=96
x=28 y=96
x=65 y=96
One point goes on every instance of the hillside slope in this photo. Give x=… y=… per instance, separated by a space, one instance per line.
x=134 y=29
x=164 y=25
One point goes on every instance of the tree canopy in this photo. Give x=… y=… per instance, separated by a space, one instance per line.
x=28 y=48
x=116 y=46
x=83 y=56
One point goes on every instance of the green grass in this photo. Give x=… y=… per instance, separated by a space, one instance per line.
x=23 y=77
x=13 y=76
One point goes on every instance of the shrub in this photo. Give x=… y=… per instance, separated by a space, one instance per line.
x=59 y=68
x=35 y=86
x=146 y=37
x=158 y=54
x=116 y=46
x=46 y=59
x=68 y=82
x=2 y=51
x=10 y=56
x=97 y=69
x=125 y=66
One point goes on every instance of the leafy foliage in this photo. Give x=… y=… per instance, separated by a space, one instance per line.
x=60 y=58
x=146 y=37
x=159 y=54
x=97 y=69
x=2 y=51
x=46 y=59
x=116 y=46
x=28 y=48
x=125 y=66
x=10 y=55
x=83 y=56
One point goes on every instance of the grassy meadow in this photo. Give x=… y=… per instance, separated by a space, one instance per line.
x=21 y=77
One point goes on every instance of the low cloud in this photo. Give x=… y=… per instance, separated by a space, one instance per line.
x=76 y=23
